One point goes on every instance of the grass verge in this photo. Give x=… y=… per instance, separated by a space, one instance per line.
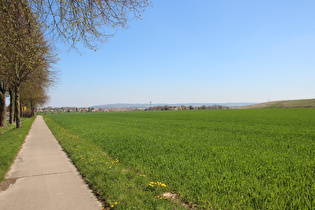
x=11 y=140
x=117 y=185
x=4 y=130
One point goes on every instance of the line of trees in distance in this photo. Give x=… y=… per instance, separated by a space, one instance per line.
x=183 y=107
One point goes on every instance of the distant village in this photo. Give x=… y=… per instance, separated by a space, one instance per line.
x=76 y=109
x=153 y=108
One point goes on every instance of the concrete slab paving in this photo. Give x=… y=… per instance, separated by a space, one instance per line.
x=44 y=177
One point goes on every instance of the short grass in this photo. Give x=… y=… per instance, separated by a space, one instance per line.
x=11 y=140
x=4 y=130
x=220 y=159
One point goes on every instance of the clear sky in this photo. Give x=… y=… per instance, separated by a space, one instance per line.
x=203 y=51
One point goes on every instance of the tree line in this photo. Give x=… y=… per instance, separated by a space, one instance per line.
x=183 y=107
x=25 y=64
x=26 y=56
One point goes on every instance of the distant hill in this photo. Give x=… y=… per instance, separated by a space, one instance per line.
x=305 y=103
x=143 y=106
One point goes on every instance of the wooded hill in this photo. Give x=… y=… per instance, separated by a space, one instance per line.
x=305 y=103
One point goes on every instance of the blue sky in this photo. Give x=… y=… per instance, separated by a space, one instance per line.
x=203 y=51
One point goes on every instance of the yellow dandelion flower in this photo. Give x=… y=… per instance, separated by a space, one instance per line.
x=91 y=159
x=116 y=203
x=110 y=167
x=112 y=206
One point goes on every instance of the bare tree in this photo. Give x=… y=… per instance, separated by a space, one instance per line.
x=86 y=21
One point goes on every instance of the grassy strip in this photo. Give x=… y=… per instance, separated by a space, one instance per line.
x=117 y=185
x=10 y=143
x=4 y=130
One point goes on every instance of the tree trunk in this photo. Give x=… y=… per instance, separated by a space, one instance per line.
x=11 y=106
x=17 y=106
x=21 y=110
x=14 y=119
x=32 y=108
x=3 y=111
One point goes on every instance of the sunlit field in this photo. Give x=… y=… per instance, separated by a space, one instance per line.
x=261 y=159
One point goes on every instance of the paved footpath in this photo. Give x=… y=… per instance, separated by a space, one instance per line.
x=43 y=177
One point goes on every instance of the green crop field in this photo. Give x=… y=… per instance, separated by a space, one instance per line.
x=256 y=159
